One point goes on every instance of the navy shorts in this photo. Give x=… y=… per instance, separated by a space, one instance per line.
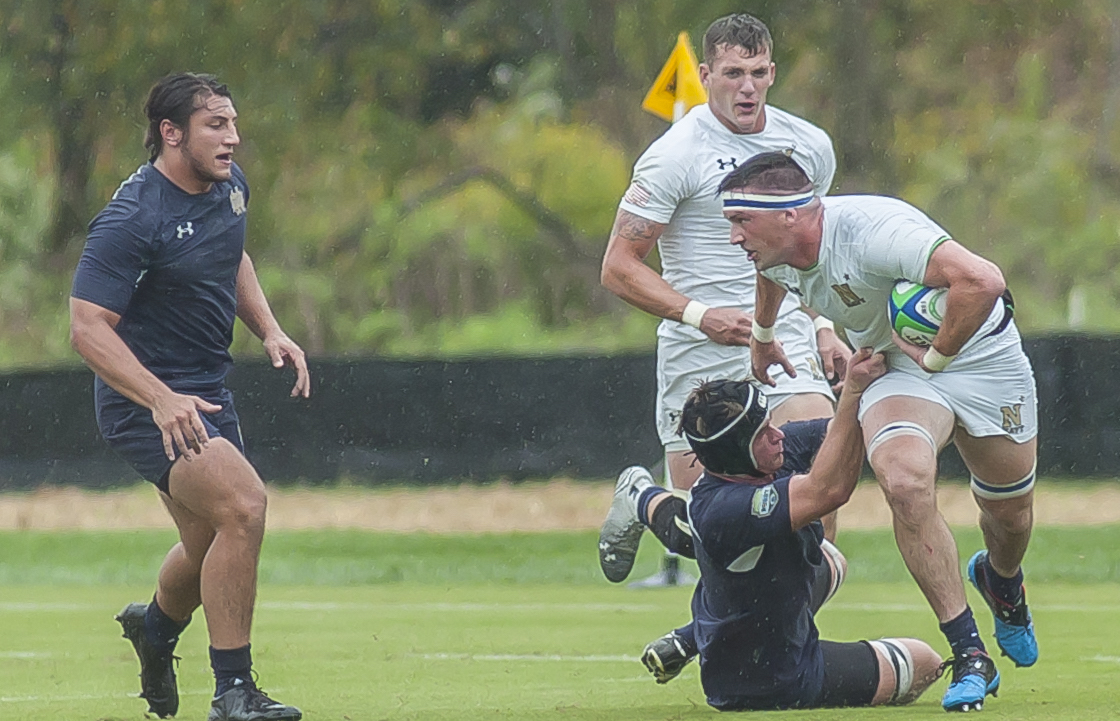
x=129 y=430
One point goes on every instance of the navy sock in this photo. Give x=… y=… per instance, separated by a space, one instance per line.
x=162 y=631
x=232 y=667
x=687 y=635
x=643 y=503
x=962 y=634
x=1008 y=590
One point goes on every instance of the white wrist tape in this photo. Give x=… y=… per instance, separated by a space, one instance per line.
x=693 y=313
x=935 y=361
x=762 y=334
x=820 y=323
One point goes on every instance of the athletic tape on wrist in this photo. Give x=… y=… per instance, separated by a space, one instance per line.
x=820 y=323
x=693 y=313
x=935 y=361
x=762 y=334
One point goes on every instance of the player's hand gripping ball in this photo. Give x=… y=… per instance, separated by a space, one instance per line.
x=916 y=311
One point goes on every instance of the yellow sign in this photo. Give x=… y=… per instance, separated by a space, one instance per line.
x=678 y=87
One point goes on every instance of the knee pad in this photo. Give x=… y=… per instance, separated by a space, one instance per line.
x=838 y=572
x=899 y=658
x=987 y=491
x=896 y=429
x=670 y=524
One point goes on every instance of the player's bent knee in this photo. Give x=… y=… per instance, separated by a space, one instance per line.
x=899 y=429
x=992 y=492
x=839 y=565
x=895 y=657
x=911 y=667
x=904 y=458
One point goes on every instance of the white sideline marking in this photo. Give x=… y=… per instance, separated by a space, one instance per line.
x=17 y=607
x=517 y=657
x=1102 y=659
x=470 y=607
x=87 y=697
x=1058 y=607
x=21 y=655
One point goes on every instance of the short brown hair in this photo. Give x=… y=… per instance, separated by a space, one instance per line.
x=740 y=30
x=773 y=172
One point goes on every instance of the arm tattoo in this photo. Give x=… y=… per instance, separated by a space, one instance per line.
x=637 y=229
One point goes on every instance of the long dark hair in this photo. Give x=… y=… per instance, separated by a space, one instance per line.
x=174 y=98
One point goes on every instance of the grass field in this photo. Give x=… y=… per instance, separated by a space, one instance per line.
x=356 y=625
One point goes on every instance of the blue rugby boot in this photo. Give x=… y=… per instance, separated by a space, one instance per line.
x=1014 y=627
x=974 y=677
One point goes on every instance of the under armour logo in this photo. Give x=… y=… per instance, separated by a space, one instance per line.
x=725 y=164
x=185 y=229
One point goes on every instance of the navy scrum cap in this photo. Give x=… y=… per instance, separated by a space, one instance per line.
x=728 y=449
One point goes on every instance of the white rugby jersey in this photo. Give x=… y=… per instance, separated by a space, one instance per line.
x=868 y=243
x=675 y=182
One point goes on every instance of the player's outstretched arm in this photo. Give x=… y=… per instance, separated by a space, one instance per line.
x=93 y=335
x=766 y=350
x=626 y=274
x=254 y=312
x=831 y=480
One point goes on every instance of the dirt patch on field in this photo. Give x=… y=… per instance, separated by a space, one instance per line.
x=557 y=505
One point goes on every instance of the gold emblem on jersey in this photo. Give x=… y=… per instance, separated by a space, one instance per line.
x=815 y=369
x=237 y=201
x=848 y=295
x=1012 y=417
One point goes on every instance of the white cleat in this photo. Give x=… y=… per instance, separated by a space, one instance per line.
x=622 y=531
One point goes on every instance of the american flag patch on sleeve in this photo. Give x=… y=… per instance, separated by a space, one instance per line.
x=637 y=195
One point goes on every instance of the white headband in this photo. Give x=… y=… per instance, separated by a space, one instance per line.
x=739 y=199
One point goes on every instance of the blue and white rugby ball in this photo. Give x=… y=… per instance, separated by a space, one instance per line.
x=916 y=311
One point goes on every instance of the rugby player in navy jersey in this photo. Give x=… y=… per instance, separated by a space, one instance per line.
x=162 y=276
x=753 y=524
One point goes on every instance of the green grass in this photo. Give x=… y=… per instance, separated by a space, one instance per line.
x=379 y=626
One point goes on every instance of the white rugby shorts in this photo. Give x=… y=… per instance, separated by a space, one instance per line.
x=684 y=364
x=990 y=388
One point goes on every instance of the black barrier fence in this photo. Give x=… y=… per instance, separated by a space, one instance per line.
x=377 y=421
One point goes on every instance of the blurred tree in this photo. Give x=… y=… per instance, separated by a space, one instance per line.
x=440 y=176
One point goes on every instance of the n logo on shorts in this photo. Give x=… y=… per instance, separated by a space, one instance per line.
x=1012 y=417
x=848 y=295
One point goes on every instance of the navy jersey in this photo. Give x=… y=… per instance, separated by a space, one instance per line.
x=166 y=261
x=759 y=646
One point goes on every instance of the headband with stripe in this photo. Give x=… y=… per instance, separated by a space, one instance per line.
x=739 y=199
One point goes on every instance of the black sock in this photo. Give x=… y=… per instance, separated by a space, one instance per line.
x=670 y=525
x=687 y=636
x=162 y=631
x=232 y=668
x=1008 y=590
x=643 y=502
x=962 y=634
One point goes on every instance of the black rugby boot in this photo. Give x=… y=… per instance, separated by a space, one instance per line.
x=246 y=702
x=157 y=668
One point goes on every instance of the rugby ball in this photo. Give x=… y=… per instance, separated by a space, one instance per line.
x=916 y=311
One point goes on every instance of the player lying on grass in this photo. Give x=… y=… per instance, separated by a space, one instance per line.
x=756 y=534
